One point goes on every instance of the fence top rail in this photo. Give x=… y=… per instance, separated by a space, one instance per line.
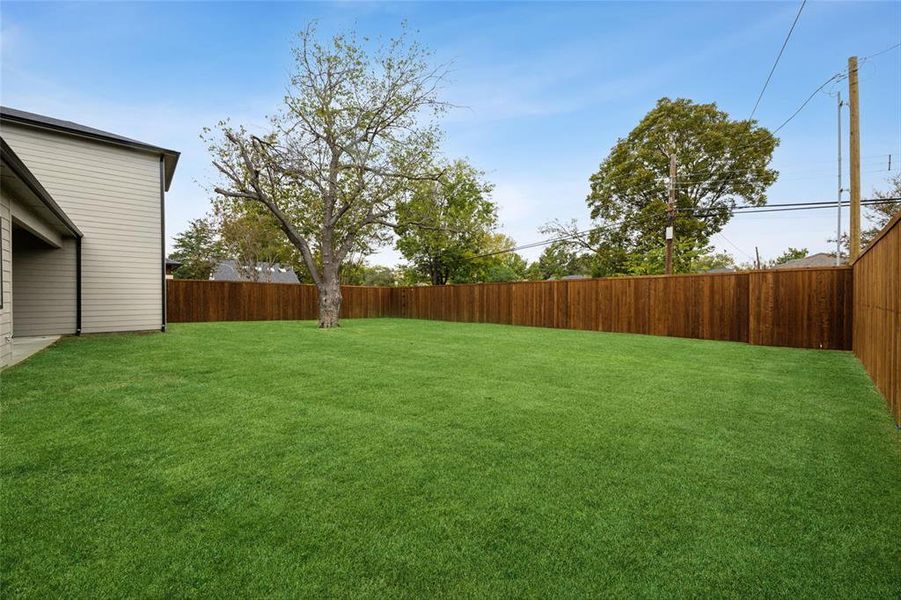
x=882 y=233
x=223 y=282
x=298 y=284
x=525 y=281
x=634 y=277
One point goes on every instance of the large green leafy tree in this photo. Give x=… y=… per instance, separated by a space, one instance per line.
x=721 y=162
x=453 y=219
x=198 y=249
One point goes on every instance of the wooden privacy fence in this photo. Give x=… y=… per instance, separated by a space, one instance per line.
x=190 y=301
x=877 y=313
x=808 y=308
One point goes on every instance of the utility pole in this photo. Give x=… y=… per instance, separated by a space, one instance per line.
x=671 y=213
x=838 y=205
x=855 y=156
x=757 y=254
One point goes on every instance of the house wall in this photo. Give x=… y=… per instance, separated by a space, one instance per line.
x=6 y=268
x=44 y=286
x=113 y=195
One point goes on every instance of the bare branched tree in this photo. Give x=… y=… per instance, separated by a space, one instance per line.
x=357 y=128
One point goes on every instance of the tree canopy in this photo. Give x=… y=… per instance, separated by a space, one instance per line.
x=198 y=250
x=446 y=223
x=880 y=214
x=720 y=162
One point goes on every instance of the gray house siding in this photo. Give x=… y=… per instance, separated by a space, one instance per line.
x=113 y=194
x=45 y=287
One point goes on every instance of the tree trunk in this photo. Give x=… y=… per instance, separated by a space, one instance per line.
x=329 y=302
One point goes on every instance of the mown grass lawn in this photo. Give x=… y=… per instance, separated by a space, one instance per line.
x=395 y=458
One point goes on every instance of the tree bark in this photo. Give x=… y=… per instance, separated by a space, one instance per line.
x=329 y=302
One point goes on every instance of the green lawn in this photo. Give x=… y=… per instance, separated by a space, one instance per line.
x=395 y=458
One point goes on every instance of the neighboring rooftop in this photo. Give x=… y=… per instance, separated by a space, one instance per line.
x=230 y=270
x=35 y=120
x=820 y=259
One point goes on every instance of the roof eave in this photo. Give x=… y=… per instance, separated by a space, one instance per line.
x=170 y=161
x=170 y=156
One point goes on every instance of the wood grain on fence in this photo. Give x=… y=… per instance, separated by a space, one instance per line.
x=698 y=306
x=877 y=313
x=191 y=301
x=802 y=308
x=807 y=308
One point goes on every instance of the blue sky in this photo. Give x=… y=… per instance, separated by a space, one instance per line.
x=547 y=88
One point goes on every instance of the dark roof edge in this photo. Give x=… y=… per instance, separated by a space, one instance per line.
x=22 y=172
x=42 y=122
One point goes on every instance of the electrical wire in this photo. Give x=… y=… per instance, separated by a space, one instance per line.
x=731 y=243
x=875 y=54
x=840 y=76
x=692 y=182
x=747 y=209
x=545 y=242
x=739 y=210
x=744 y=209
x=837 y=77
x=778 y=56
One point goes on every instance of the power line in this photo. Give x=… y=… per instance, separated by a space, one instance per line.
x=723 y=177
x=731 y=243
x=803 y=204
x=875 y=54
x=753 y=210
x=837 y=77
x=545 y=242
x=840 y=76
x=778 y=56
x=880 y=159
x=716 y=179
x=719 y=179
x=791 y=206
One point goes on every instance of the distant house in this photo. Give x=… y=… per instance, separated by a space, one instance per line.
x=171 y=266
x=81 y=230
x=722 y=270
x=820 y=259
x=230 y=270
